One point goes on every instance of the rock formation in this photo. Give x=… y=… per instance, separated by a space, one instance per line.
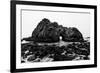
x=71 y=35
x=47 y=31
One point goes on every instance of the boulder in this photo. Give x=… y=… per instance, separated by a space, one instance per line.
x=46 y=31
x=71 y=34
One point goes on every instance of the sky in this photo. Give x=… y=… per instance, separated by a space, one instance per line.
x=30 y=20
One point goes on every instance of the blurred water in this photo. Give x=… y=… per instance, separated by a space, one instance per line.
x=60 y=43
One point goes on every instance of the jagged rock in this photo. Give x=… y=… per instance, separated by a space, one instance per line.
x=46 y=31
x=71 y=35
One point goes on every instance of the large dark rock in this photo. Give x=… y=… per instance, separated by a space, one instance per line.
x=71 y=35
x=46 y=31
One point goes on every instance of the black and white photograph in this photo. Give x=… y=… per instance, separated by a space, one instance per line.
x=54 y=35
x=49 y=36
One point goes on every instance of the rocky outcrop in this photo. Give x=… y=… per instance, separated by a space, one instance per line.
x=71 y=35
x=47 y=31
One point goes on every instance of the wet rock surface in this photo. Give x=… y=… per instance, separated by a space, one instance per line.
x=32 y=52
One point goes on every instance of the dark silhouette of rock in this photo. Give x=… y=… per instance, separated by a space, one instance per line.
x=46 y=31
x=28 y=39
x=71 y=35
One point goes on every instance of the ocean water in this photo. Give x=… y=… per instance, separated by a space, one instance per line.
x=81 y=51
